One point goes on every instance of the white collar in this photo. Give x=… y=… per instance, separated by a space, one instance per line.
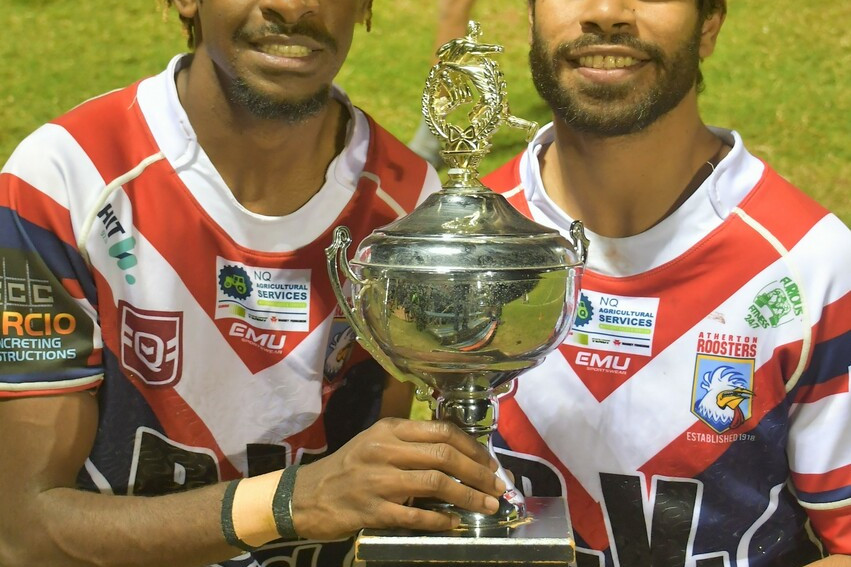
x=705 y=210
x=176 y=137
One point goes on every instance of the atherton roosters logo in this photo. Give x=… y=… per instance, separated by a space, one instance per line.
x=722 y=391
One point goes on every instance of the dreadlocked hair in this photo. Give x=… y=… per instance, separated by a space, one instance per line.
x=188 y=25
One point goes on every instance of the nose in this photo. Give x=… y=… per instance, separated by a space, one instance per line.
x=606 y=17
x=288 y=11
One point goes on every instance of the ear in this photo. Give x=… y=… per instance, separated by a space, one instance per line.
x=709 y=33
x=187 y=9
x=530 y=14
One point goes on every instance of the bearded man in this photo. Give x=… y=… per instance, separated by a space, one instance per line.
x=689 y=233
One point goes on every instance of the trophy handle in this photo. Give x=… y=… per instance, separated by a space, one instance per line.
x=337 y=262
x=580 y=241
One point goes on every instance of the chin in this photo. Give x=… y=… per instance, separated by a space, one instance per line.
x=289 y=108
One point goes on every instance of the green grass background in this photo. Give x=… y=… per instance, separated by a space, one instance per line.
x=781 y=75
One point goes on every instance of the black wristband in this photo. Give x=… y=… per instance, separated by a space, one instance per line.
x=227 y=518
x=282 y=503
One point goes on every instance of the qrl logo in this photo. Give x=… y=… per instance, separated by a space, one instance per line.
x=151 y=344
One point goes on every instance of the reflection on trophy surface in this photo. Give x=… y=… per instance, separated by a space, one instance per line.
x=463 y=294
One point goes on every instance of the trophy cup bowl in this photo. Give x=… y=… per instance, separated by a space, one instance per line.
x=463 y=294
x=463 y=310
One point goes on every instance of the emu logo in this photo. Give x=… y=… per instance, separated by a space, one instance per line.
x=609 y=362
x=270 y=340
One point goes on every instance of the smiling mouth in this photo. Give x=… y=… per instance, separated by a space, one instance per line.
x=279 y=50
x=606 y=62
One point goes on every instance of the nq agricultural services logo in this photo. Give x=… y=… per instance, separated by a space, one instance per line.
x=584 y=311
x=235 y=282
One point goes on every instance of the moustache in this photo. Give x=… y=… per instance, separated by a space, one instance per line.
x=566 y=50
x=300 y=28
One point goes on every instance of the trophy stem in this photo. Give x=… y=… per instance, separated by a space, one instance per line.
x=477 y=416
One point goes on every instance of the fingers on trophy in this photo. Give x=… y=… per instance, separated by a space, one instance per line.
x=464 y=294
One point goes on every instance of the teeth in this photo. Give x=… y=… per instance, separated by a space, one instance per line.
x=606 y=61
x=285 y=50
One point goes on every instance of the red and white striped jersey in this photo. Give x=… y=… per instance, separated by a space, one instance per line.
x=211 y=332
x=699 y=411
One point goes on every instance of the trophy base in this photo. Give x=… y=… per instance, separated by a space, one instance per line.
x=544 y=537
x=508 y=514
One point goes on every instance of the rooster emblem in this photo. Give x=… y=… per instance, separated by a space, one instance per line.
x=340 y=348
x=726 y=389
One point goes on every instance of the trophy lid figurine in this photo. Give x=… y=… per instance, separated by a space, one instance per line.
x=465 y=293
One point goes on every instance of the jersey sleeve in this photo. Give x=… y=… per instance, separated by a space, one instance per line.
x=819 y=445
x=50 y=340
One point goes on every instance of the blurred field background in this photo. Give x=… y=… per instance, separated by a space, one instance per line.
x=781 y=75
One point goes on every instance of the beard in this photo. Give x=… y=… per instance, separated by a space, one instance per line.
x=621 y=109
x=264 y=106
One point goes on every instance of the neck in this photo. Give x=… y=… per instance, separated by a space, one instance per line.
x=624 y=185
x=272 y=167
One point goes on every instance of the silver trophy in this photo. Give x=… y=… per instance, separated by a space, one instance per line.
x=464 y=294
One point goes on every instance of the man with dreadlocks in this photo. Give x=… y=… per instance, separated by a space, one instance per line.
x=167 y=315
x=699 y=413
